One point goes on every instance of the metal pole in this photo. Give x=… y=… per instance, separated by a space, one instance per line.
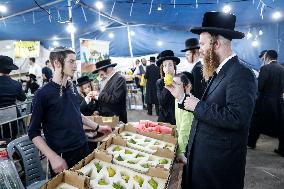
x=71 y=22
x=130 y=44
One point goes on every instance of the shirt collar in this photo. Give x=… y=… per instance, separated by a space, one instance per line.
x=224 y=62
x=271 y=61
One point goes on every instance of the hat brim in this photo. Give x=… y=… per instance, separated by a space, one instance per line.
x=190 y=48
x=103 y=67
x=11 y=67
x=231 y=34
x=173 y=58
x=84 y=82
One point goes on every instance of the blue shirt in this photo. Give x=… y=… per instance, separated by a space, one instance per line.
x=59 y=117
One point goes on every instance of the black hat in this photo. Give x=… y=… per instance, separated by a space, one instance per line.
x=6 y=63
x=152 y=59
x=83 y=80
x=32 y=76
x=167 y=55
x=191 y=43
x=262 y=53
x=271 y=54
x=219 y=23
x=103 y=64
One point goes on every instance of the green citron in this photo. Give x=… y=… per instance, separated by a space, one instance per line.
x=102 y=182
x=119 y=158
x=147 y=140
x=153 y=183
x=111 y=172
x=99 y=167
x=139 y=180
x=163 y=161
x=116 y=148
x=146 y=165
x=127 y=152
x=132 y=141
x=125 y=178
x=117 y=186
x=131 y=162
x=138 y=156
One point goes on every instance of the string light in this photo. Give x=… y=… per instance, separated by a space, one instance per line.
x=255 y=43
x=111 y=35
x=260 y=32
x=102 y=28
x=99 y=5
x=249 y=35
x=55 y=43
x=276 y=15
x=159 y=7
x=71 y=28
x=132 y=33
x=159 y=43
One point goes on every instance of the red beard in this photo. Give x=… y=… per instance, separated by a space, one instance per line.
x=211 y=63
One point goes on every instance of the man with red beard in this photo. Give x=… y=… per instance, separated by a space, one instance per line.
x=217 y=143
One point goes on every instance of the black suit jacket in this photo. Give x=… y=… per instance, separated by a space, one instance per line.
x=199 y=83
x=112 y=99
x=152 y=75
x=218 y=138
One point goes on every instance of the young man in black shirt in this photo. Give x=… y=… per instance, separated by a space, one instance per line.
x=56 y=110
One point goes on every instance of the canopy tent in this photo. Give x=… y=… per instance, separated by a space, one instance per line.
x=25 y=20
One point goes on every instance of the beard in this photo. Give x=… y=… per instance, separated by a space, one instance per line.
x=211 y=63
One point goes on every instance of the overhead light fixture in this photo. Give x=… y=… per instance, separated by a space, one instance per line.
x=71 y=28
x=276 y=15
x=227 y=9
x=8 y=47
x=54 y=37
x=159 y=7
x=260 y=32
x=55 y=43
x=159 y=43
x=3 y=9
x=255 y=43
x=249 y=35
x=102 y=28
x=132 y=33
x=99 y=5
x=111 y=35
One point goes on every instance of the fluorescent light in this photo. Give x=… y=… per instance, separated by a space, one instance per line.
x=227 y=9
x=3 y=8
x=276 y=15
x=159 y=43
x=260 y=32
x=132 y=33
x=111 y=35
x=71 y=28
x=255 y=43
x=159 y=7
x=99 y=5
x=55 y=43
x=249 y=35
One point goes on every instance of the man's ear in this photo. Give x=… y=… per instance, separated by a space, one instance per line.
x=217 y=44
x=57 y=64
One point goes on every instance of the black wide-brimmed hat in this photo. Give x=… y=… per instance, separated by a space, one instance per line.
x=32 y=76
x=167 y=55
x=83 y=80
x=103 y=64
x=152 y=59
x=219 y=23
x=6 y=63
x=190 y=44
x=262 y=53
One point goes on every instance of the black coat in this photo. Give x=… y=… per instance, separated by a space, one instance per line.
x=112 y=99
x=88 y=109
x=166 y=104
x=269 y=109
x=218 y=140
x=199 y=84
x=152 y=75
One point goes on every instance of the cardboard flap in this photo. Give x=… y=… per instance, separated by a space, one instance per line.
x=158 y=172
x=164 y=153
x=76 y=180
x=55 y=181
x=110 y=121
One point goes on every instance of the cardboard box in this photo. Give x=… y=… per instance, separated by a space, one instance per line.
x=110 y=121
x=69 y=177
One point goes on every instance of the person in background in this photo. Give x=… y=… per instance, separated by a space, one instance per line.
x=112 y=96
x=167 y=63
x=36 y=70
x=46 y=72
x=217 y=144
x=87 y=96
x=138 y=73
x=152 y=75
x=10 y=91
x=31 y=86
x=268 y=117
x=192 y=56
x=56 y=111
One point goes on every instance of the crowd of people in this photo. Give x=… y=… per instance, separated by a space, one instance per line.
x=220 y=108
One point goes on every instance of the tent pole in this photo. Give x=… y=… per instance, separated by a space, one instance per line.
x=130 y=45
x=71 y=20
